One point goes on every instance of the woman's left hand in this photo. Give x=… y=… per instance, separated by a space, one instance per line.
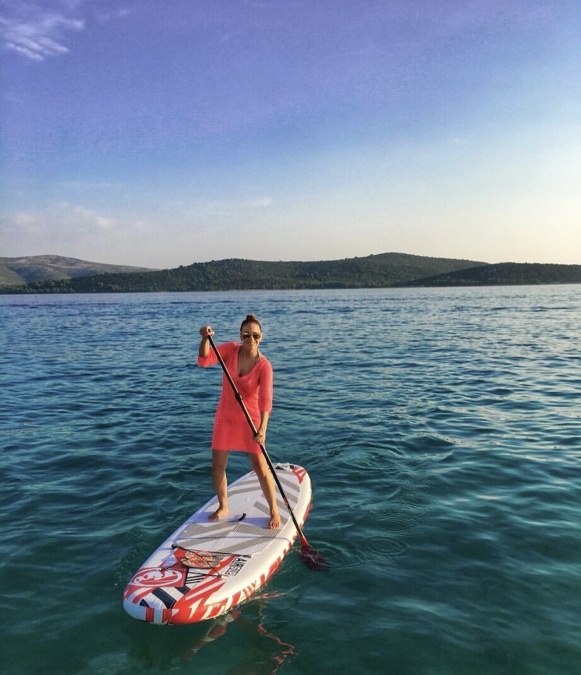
x=260 y=437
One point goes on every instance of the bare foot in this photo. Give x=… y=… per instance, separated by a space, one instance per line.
x=274 y=522
x=221 y=512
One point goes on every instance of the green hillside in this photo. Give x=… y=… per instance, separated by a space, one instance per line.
x=507 y=274
x=375 y=271
x=27 y=269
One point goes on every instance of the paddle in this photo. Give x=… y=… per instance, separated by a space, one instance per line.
x=312 y=559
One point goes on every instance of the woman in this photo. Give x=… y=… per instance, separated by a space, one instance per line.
x=252 y=374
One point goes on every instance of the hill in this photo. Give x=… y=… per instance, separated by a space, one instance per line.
x=507 y=274
x=374 y=271
x=27 y=269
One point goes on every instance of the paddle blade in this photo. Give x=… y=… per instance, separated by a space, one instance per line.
x=312 y=559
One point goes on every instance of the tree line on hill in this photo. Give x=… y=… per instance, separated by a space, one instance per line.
x=375 y=271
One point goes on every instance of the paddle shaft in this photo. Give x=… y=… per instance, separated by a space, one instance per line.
x=238 y=396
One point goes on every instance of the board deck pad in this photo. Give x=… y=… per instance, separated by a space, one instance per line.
x=205 y=568
x=245 y=530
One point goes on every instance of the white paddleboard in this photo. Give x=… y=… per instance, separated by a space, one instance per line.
x=206 y=568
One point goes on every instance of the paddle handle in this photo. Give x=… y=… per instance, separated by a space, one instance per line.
x=238 y=396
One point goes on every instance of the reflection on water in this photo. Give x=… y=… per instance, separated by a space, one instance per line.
x=252 y=649
x=264 y=656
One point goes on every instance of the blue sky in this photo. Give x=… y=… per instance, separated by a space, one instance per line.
x=166 y=132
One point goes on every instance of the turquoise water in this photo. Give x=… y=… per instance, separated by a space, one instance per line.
x=442 y=432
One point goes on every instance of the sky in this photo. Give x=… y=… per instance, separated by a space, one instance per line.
x=160 y=133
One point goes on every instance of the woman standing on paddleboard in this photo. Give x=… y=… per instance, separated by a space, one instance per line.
x=252 y=373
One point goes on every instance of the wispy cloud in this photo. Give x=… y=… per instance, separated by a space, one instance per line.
x=38 y=32
x=89 y=218
x=258 y=203
x=118 y=13
x=63 y=217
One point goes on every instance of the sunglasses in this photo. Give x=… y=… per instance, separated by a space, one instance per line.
x=256 y=336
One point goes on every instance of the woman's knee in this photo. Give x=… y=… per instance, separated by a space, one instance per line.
x=259 y=465
x=219 y=461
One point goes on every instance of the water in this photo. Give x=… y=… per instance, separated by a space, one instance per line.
x=442 y=432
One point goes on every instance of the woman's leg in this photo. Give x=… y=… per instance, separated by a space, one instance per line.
x=220 y=481
x=262 y=470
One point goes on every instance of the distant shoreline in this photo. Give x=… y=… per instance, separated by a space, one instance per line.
x=53 y=274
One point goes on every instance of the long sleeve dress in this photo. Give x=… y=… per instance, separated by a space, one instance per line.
x=231 y=428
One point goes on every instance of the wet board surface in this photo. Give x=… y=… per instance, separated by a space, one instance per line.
x=206 y=568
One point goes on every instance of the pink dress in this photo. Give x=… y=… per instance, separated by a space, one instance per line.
x=231 y=428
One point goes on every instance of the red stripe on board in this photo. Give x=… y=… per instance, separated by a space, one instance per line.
x=300 y=473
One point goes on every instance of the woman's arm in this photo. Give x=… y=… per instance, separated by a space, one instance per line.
x=204 y=349
x=261 y=431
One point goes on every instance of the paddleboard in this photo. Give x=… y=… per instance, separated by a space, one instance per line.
x=206 y=568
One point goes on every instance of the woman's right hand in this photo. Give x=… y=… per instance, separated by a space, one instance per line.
x=206 y=331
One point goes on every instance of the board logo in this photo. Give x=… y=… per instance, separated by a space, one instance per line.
x=235 y=567
x=158 y=576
